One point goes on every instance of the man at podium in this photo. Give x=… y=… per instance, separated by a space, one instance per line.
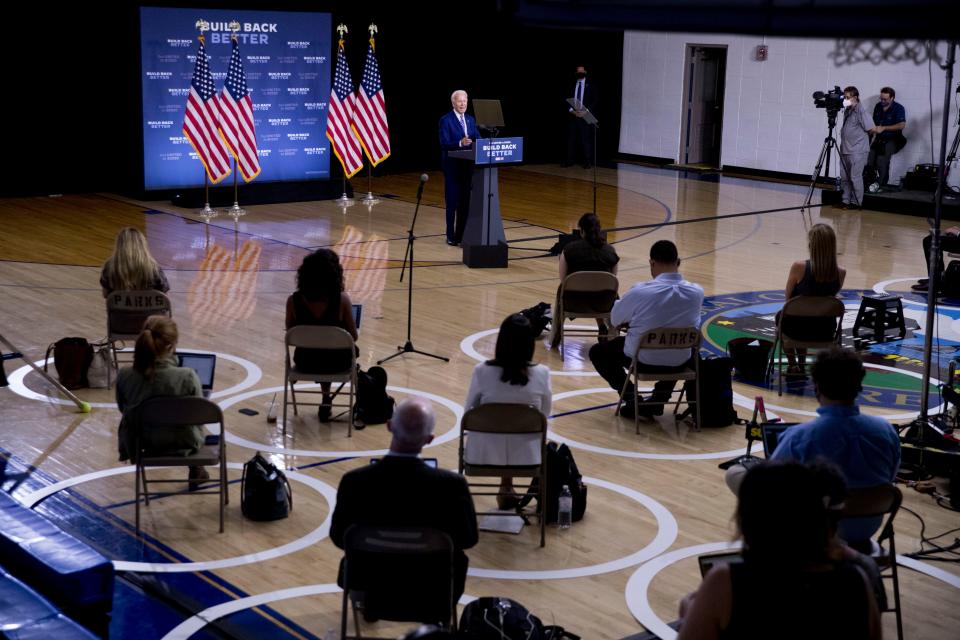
x=458 y=130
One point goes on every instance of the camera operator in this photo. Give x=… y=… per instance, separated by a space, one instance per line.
x=890 y=118
x=854 y=148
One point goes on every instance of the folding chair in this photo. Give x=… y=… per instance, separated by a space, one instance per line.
x=584 y=294
x=807 y=307
x=881 y=500
x=127 y=311
x=169 y=412
x=322 y=338
x=380 y=566
x=505 y=419
x=666 y=338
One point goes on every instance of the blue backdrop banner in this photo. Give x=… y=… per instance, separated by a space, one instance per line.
x=286 y=57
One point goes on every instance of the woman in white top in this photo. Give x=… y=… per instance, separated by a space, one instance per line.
x=509 y=378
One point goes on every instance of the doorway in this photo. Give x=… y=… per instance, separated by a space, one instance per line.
x=704 y=77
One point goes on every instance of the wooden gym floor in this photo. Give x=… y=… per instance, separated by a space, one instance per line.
x=653 y=495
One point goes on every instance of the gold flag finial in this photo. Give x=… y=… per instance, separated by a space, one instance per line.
x=202 y=25
x=373 y=30
x=234 y=26
x=342 y=29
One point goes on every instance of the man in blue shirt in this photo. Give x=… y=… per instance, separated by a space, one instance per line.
x=890 y=119
x=865 y=448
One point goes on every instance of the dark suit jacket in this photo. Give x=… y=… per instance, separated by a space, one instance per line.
x=405 y=492
x=451 y=132
x=590 y=94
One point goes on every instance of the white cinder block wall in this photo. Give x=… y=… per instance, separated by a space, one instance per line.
x=769 y=121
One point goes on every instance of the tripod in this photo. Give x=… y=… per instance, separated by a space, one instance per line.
x=408 y=345
x=829 y=144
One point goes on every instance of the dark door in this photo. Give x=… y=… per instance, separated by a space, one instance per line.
x=703 y=117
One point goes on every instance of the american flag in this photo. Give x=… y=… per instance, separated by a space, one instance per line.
x=370 y=115
x=200 y=120
x=342 y=103
x=236 y=117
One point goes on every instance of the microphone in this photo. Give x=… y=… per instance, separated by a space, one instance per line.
x=423 y=179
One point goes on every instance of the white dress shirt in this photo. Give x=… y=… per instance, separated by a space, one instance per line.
x=666 y=301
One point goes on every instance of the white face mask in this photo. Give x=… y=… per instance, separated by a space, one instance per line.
x=847 y=102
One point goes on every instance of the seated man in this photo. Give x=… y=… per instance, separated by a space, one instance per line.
x=865 y=448
x=402 y=491
x=890 y=119
x=949 y=242
x=666 y=301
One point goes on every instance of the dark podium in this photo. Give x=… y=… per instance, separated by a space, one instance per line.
x=484 y=244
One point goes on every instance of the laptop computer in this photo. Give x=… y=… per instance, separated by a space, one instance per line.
x=771 y=432
x=710 y=560
x=357 y=314
x=205 y=364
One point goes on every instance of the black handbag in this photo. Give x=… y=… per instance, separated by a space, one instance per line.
x=264 y=491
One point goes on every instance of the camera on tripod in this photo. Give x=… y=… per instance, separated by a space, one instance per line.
x=831 y=100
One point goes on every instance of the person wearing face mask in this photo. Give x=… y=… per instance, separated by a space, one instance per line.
x=890 y=118
x=579 y=133
x=854 y=148
x=458 y=130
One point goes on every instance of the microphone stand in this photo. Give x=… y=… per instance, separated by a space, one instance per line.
x=408 y=345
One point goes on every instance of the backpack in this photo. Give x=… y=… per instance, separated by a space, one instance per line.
x=373 y=405
x=71 y=358
x=716 y=406
x=561 y=470
x=537 y=315
x=950 y=285
x=264 y=491
x=505 y=619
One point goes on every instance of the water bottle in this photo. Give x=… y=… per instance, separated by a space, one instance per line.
x=565 y=512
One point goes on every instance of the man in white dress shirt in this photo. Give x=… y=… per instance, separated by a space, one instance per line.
x=666 y=301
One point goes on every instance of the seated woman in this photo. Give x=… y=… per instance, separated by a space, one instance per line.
x=131 y=267
x=154 y=373
x=591 y=252
x=818 y=276
x=321 y=300
x=795 y=580
x=509 y=378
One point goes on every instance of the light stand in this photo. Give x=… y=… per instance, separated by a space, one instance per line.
x=829 y=144
x=922 y=431
x=408 y=345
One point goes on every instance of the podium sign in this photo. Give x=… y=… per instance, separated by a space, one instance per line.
x=499 y=151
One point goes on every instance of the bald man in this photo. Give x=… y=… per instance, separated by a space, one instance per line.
x=403 y=491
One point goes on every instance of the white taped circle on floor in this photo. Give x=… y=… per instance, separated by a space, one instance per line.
x=232 y=438
x=201 y=619
x=316 y=535
x=666 y=534
x=642 y=455
x=18 y=385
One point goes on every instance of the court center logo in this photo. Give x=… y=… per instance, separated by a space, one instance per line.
x=894 y=368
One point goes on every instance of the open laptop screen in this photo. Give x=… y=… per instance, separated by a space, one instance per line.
x=771 y=433
x=204 y=364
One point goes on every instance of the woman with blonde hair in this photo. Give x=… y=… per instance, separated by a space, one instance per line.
x=131 y=267
x=156 y=372
x=818 y=276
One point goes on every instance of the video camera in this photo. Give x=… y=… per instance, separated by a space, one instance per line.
x=831 y=100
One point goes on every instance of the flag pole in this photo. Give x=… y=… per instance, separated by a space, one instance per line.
x=235 y=210
x=343 y=201
x=369 y=199
x=206 y=213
